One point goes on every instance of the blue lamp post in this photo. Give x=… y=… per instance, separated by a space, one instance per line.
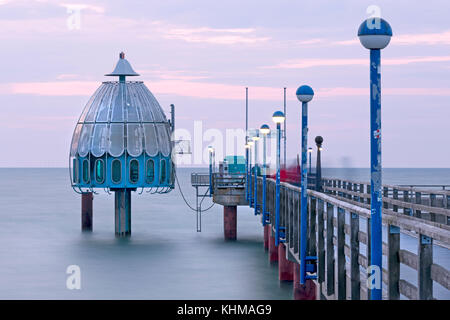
x=375 y=34
x=255 y=170
x=264 y=130
x=250 y=199
x=247 y=147
x=304 y=95
x=278 y=118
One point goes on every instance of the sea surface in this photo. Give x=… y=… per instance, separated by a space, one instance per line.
x=165 y=258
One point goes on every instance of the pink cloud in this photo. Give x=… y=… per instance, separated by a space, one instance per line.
x=322 y=62
x=213 y=35
x=204 y=90
x=436 y=38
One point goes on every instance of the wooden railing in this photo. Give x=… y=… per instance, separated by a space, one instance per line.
x=430 y=204
x=339 y=227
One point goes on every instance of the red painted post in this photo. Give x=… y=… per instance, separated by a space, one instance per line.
x=86 y=211
x=266 y=237
x=229 y=222
x=285 y=267
x=273 y=251
x=305 y=291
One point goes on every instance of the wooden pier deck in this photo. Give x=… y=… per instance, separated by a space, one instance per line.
x=339 y=235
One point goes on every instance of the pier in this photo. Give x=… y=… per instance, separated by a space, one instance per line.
x=338 y=235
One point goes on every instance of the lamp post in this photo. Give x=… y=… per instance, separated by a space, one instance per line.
x=264 y=130
x=278 y=118
x=211 y=152
x=247 y=147
x=304 y=95
x=375 y=34
x=250 y=182
x=255 y=169
x=310 y=150
x=319 y=141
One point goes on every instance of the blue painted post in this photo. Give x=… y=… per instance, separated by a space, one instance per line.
x=265 y=130
x=255 y=169
x=304 y=94
x=250 y=179
x=247 y=146
x=278 y=118
x=375 y=34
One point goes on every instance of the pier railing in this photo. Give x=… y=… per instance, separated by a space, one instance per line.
x=429 y=203
x=339 y=235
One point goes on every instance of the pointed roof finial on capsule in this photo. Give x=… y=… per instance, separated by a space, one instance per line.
x=123 y=68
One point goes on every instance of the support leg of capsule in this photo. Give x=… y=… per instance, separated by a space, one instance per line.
x=266 y=236
x=86 y=211
x=229 y=222
x=122 y=212
x=273 y=250
x=285 y=267
x=305 y=291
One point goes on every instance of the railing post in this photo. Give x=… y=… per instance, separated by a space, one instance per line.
x=361 y=190
x=395 y=197
x=330 y=250
x=320 y=242
x=385 y=194
x=368 y=191
x=393 y=262
x=406 y=211
x=354 y=255
x=418 y=213
x=425 y=254
x=432 y=204
x=447 y=201
x=312 y=251
x=341 y=273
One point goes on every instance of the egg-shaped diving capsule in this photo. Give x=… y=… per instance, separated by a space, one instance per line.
x=122 y=143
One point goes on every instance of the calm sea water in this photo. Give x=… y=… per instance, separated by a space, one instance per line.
x=164 y=259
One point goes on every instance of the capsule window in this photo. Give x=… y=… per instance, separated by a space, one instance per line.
x=76 y=171
x=134 y=171
x=150 y=173
x=86 y=176
x=116 y=168
x=162 y=176
x=99 y=171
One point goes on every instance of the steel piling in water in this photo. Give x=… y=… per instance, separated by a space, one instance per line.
x=87 y=199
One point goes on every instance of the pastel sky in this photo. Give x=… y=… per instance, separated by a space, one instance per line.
x=200 y=55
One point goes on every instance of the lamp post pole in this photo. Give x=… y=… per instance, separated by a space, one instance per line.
x=375 y=34
x=310 y=153
x=265 y=130
x=247 y=146
x=304 y=94
x=319 y=141
x=255 y=169
x=278 y=118
x=210 y=150
x=250 y=198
